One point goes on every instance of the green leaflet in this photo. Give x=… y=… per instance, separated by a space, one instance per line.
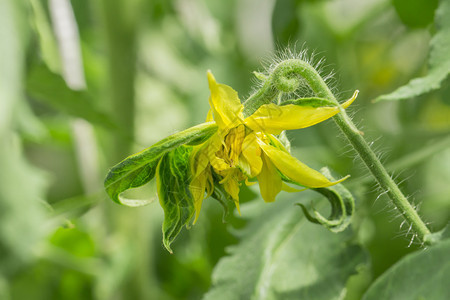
x=172 y=180
x=283 y=256
x=420 y=275
x=138 y=169
x=342 y=206
x=439 y=60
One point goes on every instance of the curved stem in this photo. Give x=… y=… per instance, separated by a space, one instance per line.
x=283 y=79
x=263 y=96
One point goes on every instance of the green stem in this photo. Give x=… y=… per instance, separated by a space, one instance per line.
x=285 y=78
x=259 y=98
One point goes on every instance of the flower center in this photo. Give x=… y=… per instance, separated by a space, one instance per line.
x=232 y=146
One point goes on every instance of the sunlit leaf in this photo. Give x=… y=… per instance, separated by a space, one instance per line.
x=138 y=169
x=439 y=61
x=283 y=256
x=420 y=275
x=173 y=179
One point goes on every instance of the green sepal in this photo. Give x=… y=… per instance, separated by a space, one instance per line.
x=138 y=169
x=173 y=179
x=342 y=206
x=312 y=102
x=260 y=76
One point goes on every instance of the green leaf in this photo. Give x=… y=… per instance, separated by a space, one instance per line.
x=407 y=11
x=283 y=256
x=173 y=179
x=342 y=206
x=439 y=60
x=138 y=169
x=420 y=275
x=51 y=88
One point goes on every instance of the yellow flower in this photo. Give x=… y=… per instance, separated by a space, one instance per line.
x=244 y=148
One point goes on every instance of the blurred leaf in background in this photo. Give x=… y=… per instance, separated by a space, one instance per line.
x=22 y=186
x=283 y=256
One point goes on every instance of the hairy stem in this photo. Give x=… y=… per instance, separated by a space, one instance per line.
x=285 y=78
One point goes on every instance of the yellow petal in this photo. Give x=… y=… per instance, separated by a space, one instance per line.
x=249 y=183
x=198 y=160
x=275 y=142
x=269 y=180
x=201 y=173
x=272 y=118
x=350 y=101
x=209 y=116
x=231 y=186
x=296 y=170
x=290 y=189
x=233 y=143
x=197 y=188
x=225 y=104
x=250 y=159
x=214 y=145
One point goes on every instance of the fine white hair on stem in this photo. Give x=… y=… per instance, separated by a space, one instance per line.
x=412 y=240
x=293 y=51
x=347 y=151
x=395 y=176
x=380 y=194
x=402 y=224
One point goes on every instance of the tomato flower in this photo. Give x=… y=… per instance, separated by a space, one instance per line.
x=244 y=148
x=216 y=157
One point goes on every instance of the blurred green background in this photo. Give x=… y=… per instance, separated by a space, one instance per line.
x=86 y=83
